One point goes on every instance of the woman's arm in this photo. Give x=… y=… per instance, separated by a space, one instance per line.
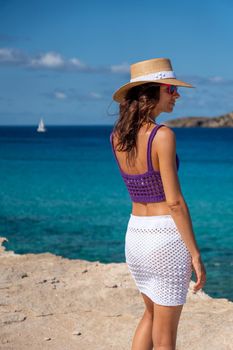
x=166 y=149
x=165 y=145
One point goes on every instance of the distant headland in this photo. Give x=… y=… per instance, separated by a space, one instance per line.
x=223 y=121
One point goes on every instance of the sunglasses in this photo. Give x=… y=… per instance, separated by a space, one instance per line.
x=171 y=89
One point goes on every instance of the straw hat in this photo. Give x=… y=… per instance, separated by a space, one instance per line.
x=157 y=70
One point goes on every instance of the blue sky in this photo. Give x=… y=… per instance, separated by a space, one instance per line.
x=62 y=60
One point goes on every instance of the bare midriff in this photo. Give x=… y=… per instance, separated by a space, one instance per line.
x=150 y=209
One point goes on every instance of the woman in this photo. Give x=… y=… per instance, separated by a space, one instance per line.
x=160 y=245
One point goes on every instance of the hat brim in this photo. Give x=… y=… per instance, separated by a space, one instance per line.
x=121 y=92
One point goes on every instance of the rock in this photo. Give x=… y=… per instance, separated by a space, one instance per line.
x=77 y=333
x=225 y=121
x=102 y=307
x=114 y=286
x=12 y=318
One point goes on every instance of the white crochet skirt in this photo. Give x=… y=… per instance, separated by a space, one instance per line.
x=158 y=259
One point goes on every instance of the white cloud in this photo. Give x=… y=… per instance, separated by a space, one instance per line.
x=48 y=60
x=216 y=79
x=77 y=63
x=208 y=81
x=6 y=55
x=60 y=95
x=12 y=56
x=121 y=68
x=55 y=61
x=73 y=95
x=95 y=95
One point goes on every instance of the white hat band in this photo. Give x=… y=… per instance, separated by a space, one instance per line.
x=155 y=76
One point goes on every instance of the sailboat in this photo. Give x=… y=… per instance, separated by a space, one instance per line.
x=41 y=126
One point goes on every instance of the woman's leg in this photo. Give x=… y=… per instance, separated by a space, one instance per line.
x=158 y=327
x=143 y=335
x=165 y=325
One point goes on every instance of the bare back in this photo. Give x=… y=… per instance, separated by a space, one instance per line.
x=140 y=167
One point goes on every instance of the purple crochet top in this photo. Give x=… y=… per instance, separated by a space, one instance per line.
x=146 y=187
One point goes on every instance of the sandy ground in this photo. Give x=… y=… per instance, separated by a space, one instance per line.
x=48 y=302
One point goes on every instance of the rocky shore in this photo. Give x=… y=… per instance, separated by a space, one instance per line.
x=49 y=302
x=223 y=121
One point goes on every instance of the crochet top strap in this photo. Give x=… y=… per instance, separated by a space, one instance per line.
x=149 y=146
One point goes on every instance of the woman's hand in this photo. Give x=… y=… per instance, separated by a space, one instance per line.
x=200 y=272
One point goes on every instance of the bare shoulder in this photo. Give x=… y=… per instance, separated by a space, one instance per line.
x=165 y=132
x=165 y=138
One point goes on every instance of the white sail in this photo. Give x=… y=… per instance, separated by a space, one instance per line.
x=41 y=126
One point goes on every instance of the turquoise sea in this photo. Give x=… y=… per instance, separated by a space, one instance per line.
x=61 y=192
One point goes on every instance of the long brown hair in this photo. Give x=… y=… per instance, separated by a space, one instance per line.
x=134 y=111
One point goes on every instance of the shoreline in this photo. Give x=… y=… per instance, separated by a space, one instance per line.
x=51 y=302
